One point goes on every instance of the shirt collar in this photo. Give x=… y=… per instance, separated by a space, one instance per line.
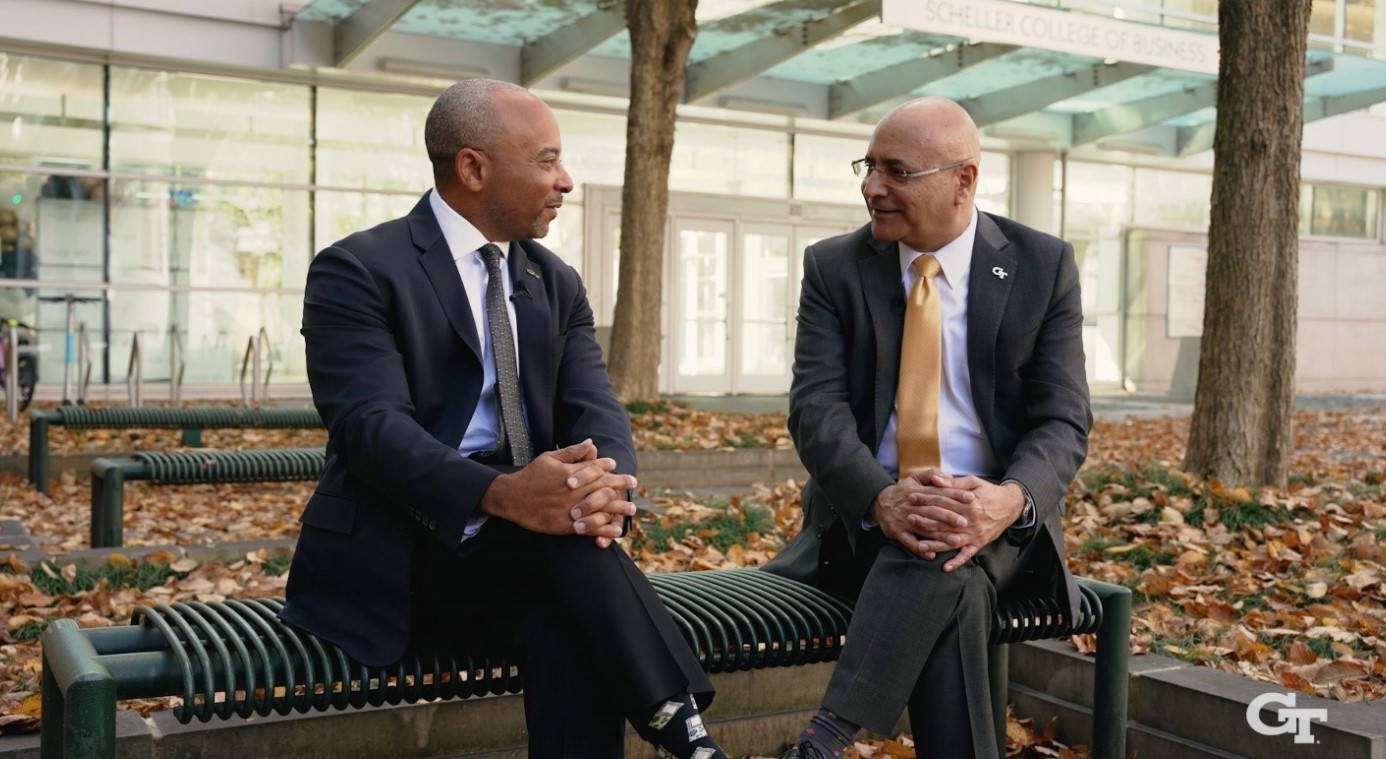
x=463 y=238
x=955 y=258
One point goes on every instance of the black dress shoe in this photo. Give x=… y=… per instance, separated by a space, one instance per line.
x=804 y=750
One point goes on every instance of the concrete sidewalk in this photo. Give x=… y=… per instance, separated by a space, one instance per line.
x=1105 y=406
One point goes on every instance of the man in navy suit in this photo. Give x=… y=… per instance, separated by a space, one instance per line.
x=924 y=551
x=478 y=465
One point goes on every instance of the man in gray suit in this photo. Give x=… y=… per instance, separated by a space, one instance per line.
x=925 y=549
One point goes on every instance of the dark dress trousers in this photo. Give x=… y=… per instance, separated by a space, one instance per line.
x=1028 y=383
x=394 y=362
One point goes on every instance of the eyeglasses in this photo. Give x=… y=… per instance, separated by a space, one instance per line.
x=863 y=167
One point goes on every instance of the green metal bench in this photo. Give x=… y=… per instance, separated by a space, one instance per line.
x=108 y=477
x=235 y=658
x=191 y=420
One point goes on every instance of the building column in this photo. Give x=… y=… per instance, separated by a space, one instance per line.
x=1033 y=180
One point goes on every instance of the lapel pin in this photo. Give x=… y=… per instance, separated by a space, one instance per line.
x=532 y=273
x=999 y=272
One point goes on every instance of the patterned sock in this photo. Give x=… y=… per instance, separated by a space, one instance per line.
x=829 y=733
x=676 y=729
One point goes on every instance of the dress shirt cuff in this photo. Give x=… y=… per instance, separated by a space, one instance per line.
x=471 y=528
x=1027 y=518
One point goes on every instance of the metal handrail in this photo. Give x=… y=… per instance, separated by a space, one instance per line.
x=264 y=344
x=251 y=349
x=177 y=364
x=83 y=362
x=134 y=373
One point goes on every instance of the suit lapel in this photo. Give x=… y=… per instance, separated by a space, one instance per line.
x=885 y=300
x=987 y=292
x=441 y=269
x=534 y=335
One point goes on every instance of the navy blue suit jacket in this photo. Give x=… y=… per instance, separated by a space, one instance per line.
x=394 y=363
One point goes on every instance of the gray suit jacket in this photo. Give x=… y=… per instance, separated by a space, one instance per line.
x=1025 y=353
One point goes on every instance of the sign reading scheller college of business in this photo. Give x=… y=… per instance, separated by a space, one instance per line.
x=1052 y=29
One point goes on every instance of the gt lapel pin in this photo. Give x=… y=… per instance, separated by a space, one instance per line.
x=999 y=272
x=532 y=272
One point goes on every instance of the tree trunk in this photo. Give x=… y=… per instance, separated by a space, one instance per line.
x=661 y=32
x=1241 y=431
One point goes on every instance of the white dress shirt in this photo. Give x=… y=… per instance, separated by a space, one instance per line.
x=465 y=242
x=963 y=444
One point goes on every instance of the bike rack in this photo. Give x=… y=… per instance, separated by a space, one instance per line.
x=176 y=366
x=83 y=363
x=134 y=374
x=255 y=348
x=71 y=299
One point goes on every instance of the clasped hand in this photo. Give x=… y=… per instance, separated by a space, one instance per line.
x=564 y=492
x=929 y=512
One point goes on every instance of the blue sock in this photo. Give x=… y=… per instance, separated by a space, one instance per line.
x=829 y=733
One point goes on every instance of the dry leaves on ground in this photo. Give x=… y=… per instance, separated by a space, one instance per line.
x=1283 y=586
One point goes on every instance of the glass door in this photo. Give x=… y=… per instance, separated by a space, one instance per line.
x=702 y=263
x=762 y=340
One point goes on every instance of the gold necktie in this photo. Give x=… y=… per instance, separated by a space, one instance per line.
x=921 y=359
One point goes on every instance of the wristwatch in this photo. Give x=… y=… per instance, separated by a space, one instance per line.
x=1026 y=519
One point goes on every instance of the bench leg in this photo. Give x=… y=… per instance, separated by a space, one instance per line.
x=78 y=723
x=192 y=437
x=107 y=504
x=38 y=453
x=998 y=673
x=1112 y=675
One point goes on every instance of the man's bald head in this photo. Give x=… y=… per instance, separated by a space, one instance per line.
x=943 y=127
x=923 y=158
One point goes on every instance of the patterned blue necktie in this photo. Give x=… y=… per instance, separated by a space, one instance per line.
x=512 y=421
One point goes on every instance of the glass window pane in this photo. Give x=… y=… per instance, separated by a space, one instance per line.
x=1343 y=212
x=823 y=168
x=1363 y=22
x=1321 y=19
x=51 y=227
x=47 y=237
x=765 y=304
x=209 y=126
x=208 y=235
x=1177 y=199
x=594 y=149
x=338 y=214
x=703 y=278
x=730 y=161
x=565 y=235
x=372 y=140
x=994 y=183
x=215 y=327
x=1098 y=198
x=52 y=113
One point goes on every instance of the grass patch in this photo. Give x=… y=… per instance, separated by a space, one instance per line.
x=142 y=576
x=1322 y=648
x=29 y=632
x=1184 y=648
x=637 y=408
x=277 y=564
x=1235 y=516
x=728 y=526
x=1143 y=557
x=1142 y=482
